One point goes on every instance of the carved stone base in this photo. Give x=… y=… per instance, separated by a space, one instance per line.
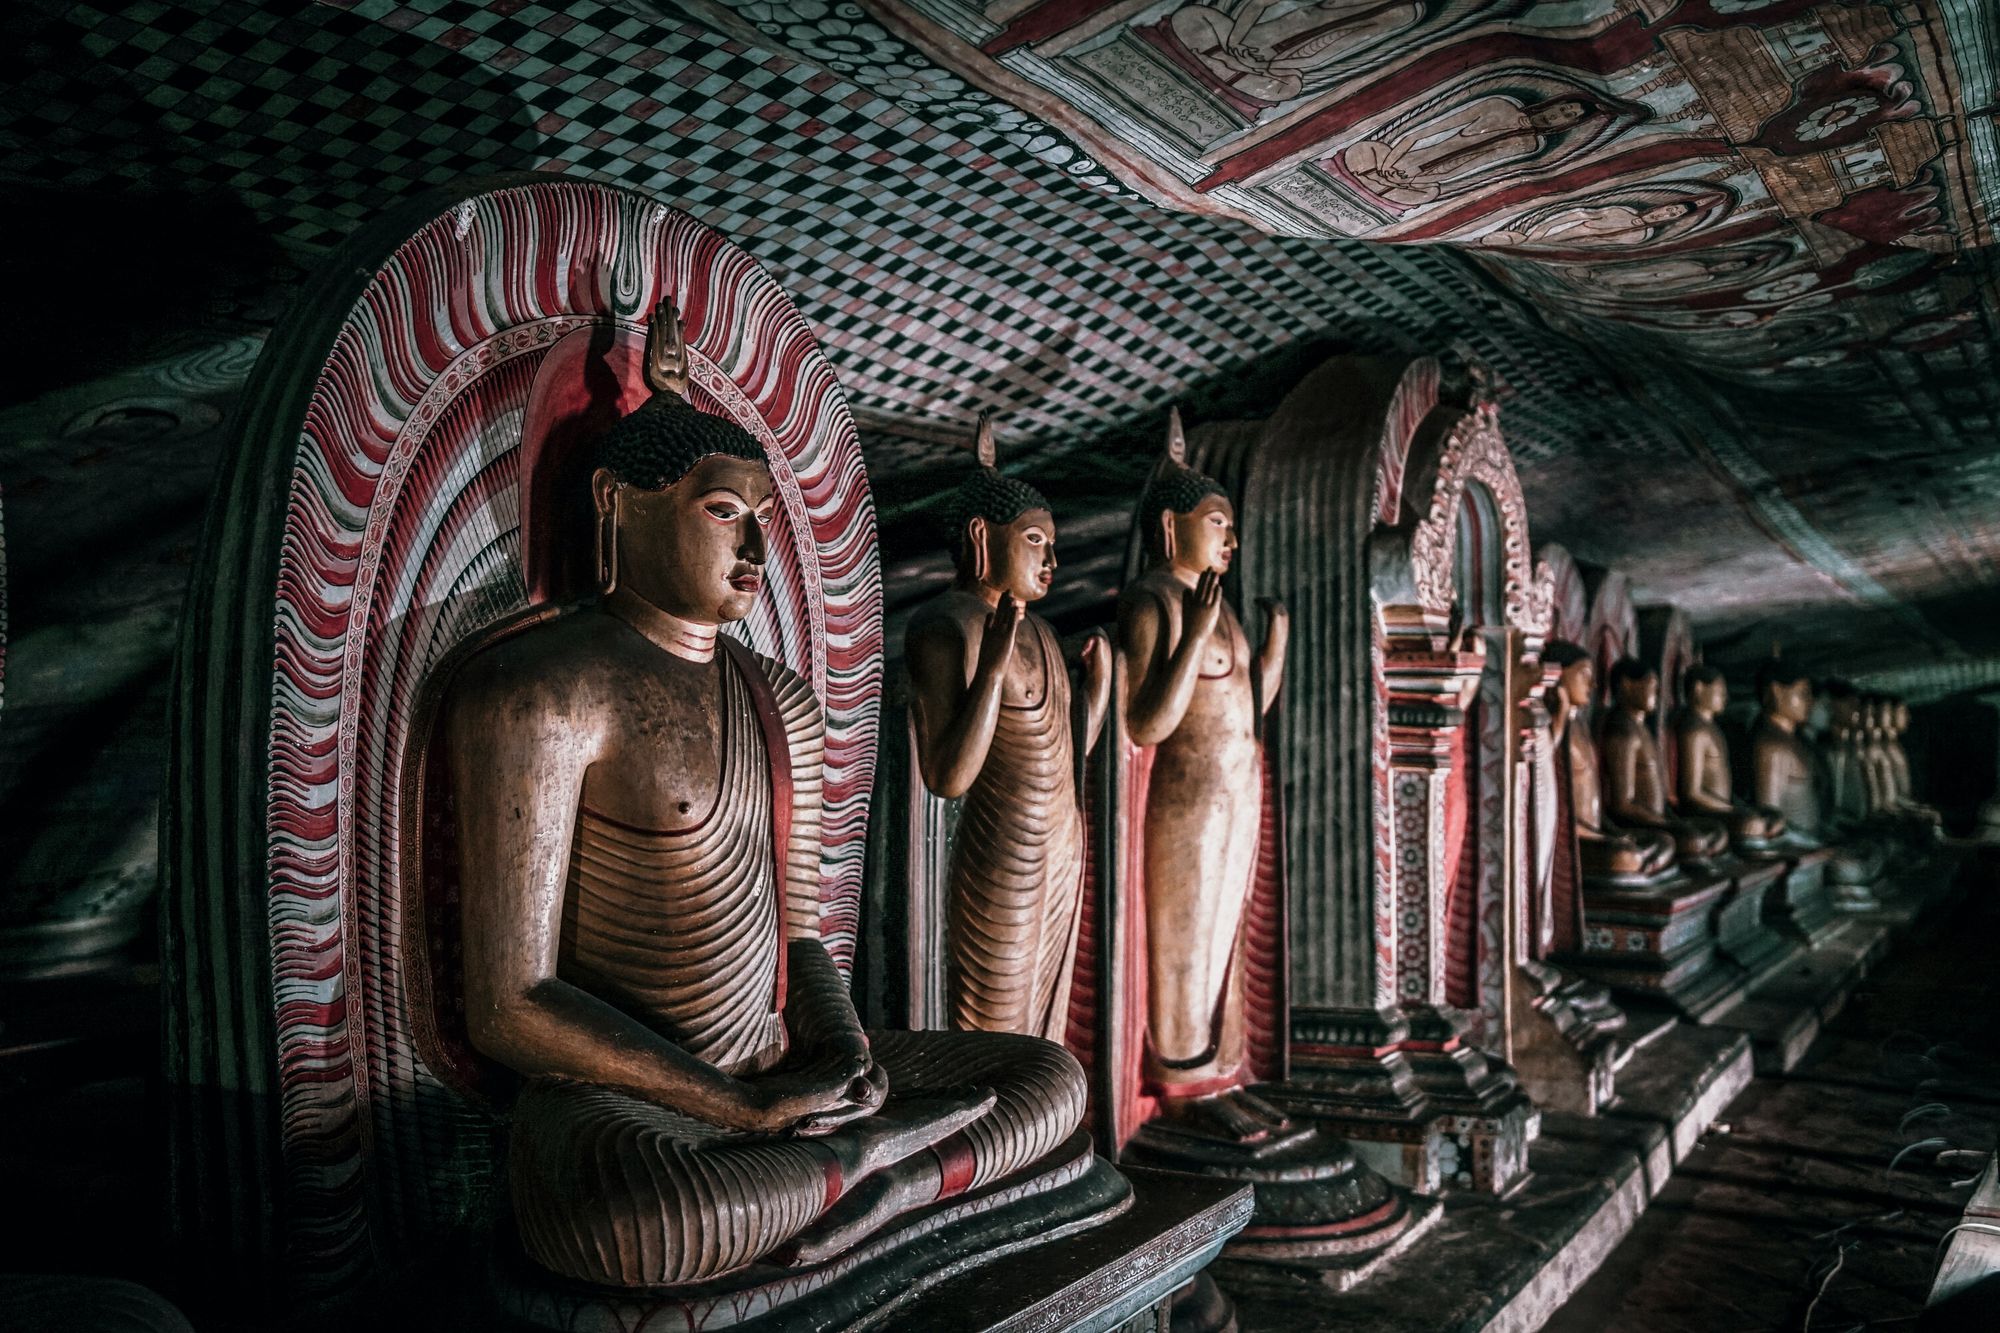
x=1743 y=929
x=1069 y=1191
x=1802 y=904
x=1314 y=1197
x=1568 y=1040
x=1418 y=1103
x=1658 y=944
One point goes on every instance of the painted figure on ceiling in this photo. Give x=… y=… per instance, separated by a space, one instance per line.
x=1615 y=222
x=1269 y=52
x=1452 y=153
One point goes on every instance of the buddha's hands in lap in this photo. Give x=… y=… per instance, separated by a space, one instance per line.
x=820 y=1093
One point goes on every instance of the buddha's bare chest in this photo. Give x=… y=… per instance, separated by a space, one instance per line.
x=660 y=763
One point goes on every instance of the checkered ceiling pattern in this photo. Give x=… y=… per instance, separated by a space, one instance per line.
x=957 y=256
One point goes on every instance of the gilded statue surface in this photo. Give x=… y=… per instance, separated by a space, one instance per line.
x=1635 y=788
x=1604 y=851
x=991 y=709
x=639 y=811
x=1195 y=693
x=1706 y=786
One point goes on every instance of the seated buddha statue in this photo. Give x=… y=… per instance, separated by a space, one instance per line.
x=1896 y=721
x=1849 y=778
x=638 y=802
x=1635 y=784
x=1786 y=773
x=990 y=704
x=1706 y=787
x=1604 y=850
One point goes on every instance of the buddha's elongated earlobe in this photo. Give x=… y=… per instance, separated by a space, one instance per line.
x=975 y=543
x=607 y=548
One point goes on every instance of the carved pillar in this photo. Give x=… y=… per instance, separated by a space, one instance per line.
x=1422 y=694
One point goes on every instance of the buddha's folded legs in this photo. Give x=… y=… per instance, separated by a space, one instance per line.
x=613 y=1190
x=1038 y=1095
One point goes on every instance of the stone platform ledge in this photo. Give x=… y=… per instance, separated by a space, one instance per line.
x=1785 y=1012
x=1673 y=1089
x=1113 y=1278
x=1340 y=1272
x=1488 y=1264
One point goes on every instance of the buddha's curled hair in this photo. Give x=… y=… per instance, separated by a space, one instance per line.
x=657 y=445
x=1178 y=487
x=989 y=494
x=1175 y=486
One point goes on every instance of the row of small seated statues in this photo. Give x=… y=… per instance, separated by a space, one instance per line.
x=639 y=816
x=1632 y=828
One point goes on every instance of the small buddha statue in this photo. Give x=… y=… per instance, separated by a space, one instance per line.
x=1196 y=692
x=638 y=805
x=1581 y=1010
x=1901 y=785
x=990 y=704
x=1635 y=785
x=1706 y=787
x=1780 y=760
x=1850 y=797
x=1604 y=851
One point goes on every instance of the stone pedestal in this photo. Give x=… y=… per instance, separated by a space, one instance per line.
x=1569 y=1040
x=1744 y=931
x=1657 y=943
x=1418 y=1103
x=1802 y=903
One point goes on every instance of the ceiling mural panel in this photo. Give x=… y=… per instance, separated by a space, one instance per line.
x=1767 y=184
x=1755 y=411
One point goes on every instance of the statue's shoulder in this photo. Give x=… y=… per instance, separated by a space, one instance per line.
x=954 y=616
x=1155 y=592
x=543 y=655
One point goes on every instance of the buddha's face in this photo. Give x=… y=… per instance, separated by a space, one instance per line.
x=696 y=549
x=1793 y=702
x=1842 y=714
x=1203 y=541
x=1639 y=694
x=1899 y=717
x=1710 y=696
x=1578 y=682
x=1019 y=557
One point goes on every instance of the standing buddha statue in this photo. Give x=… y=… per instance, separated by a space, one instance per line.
x=990 y=704
x=1196 y=693
x=638 y=803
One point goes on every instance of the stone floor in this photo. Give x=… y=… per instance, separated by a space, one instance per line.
x=1818 y=1201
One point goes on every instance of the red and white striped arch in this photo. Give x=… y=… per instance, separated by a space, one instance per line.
x=402 y=536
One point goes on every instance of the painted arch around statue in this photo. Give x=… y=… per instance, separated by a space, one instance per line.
x=400 y=429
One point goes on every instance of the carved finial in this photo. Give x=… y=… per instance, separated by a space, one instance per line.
x=666 y=350
x=982 y=441
x=1176 y=438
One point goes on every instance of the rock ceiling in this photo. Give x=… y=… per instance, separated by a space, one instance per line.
x=1730 y=260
